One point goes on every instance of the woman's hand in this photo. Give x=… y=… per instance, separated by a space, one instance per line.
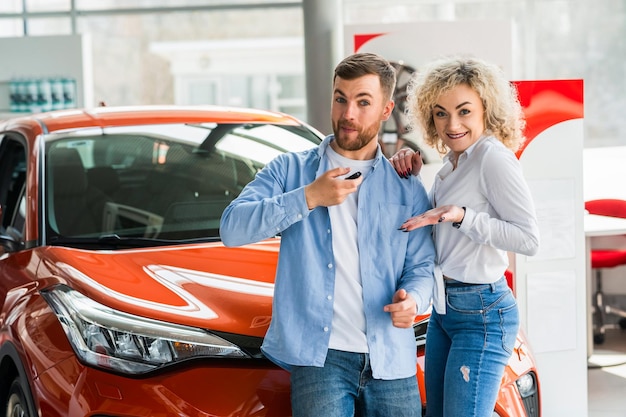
x=441 y=214
x=407 y=162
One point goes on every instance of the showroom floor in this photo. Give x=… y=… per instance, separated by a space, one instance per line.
x=607 y=385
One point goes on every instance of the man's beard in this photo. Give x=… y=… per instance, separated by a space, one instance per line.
x=364 y=137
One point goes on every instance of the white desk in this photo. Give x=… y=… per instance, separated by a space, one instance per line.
x=603 y=226
x=597 y=226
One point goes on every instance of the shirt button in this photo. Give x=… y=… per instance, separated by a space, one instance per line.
x=330 y=266
x=325 y=329
x=329 y=297
x=299 y=216
x=328 y=231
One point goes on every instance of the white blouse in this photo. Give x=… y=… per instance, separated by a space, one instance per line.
x=499 y=216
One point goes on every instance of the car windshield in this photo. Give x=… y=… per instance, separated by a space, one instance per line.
x=155 y=182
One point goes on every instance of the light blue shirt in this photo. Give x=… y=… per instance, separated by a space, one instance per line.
x=390 y=259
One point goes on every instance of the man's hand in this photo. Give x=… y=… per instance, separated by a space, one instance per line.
x=407 y=162
x=403 y=309
x=329 y=190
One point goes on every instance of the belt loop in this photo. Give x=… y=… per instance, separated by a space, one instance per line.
x=494 y=285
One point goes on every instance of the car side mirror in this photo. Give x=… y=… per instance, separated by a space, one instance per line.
x=8 y=243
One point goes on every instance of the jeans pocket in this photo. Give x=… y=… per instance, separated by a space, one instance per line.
x=509 y=325
x=465 y=301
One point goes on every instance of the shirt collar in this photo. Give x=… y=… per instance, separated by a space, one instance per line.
x=467 y=152
x=321 y=150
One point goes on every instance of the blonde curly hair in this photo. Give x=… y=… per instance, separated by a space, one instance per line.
x=503 y=116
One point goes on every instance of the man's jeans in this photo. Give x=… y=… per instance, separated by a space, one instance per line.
x=344 y=387
x=468 y=348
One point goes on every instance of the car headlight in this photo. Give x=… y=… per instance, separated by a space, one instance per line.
x=526 y=385
x=118 y=341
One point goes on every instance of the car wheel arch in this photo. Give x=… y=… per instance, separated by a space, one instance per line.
x=11 y=369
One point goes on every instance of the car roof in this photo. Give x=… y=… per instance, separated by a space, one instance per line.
x=137 y=115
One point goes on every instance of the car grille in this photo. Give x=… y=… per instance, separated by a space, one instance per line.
x=419 y=329
x=531 y=402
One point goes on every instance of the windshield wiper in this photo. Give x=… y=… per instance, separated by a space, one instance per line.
x=117 y=242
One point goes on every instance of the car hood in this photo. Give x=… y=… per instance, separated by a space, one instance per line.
x=201 y=285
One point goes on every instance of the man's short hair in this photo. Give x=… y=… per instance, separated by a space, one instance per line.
x=360 y=64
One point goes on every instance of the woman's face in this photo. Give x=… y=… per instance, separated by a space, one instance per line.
x=459 y=118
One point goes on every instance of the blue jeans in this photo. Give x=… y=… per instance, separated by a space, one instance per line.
x=468 y=348
x=344 y=387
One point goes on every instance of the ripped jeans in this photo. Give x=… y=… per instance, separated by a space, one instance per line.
x=468 y=348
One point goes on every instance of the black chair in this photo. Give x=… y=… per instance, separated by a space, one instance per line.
x=76 y=209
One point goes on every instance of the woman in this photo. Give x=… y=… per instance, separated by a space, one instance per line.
x=483 y=208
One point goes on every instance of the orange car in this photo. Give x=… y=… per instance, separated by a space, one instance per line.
x=116 y=295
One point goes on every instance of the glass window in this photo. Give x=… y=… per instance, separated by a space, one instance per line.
x=553 y=39
x=47 y=5
x=260 y=95
x=49 y=26
x=202 y=92
x=127 y=72
x=129 y=4
x=296 y=110
x=291 y=86
x=11 y=27
x=10 y=6
x=292 y=95
x=168 y=181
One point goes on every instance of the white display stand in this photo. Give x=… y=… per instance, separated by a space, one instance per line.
x=46 y=57
x=550 y=287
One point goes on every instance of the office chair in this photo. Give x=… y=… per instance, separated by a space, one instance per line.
x=605 y=258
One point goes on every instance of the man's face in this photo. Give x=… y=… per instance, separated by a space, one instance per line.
x=357 y=111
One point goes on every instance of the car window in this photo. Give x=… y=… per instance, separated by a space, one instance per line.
x=12 y=187
x=158 y=181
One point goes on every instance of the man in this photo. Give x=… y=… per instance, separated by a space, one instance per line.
x=349 y=282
